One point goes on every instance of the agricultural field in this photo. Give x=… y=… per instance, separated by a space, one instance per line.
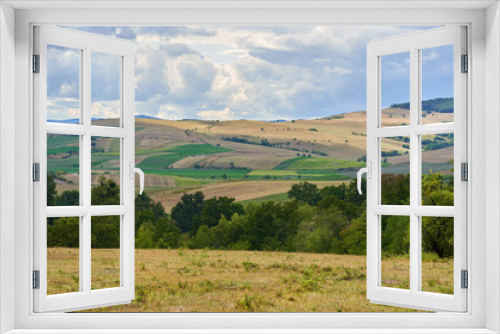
x=243 y=281
x=216 y=157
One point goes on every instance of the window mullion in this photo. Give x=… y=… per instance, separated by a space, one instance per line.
x=415 y=267
x=85 y=246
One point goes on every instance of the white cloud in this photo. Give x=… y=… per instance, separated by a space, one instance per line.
x=105 y=109
x=433 y=55
x=234 y=72
x=340 y=70
x=63 y=108
x=221 y=115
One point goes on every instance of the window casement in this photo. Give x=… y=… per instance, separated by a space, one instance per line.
x=85 y=134
x=417 y=211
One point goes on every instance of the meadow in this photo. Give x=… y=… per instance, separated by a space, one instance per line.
x=243 y=281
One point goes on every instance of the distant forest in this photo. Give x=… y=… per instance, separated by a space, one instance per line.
x=327 y=220
x=440 y=105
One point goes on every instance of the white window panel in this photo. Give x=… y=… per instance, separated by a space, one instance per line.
x=413 y=44
x=84 y=44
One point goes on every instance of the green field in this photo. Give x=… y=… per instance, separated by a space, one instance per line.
x=159 y=161
x=200 y=173
x=186 y=181
x=329 y=176
x=68 y=165
x=62 y=149
x=324 y=163
x=287 y=163
x=197 y=149
x=283 y=197
x=178 y=153
x=272 y=172
x=61 y=140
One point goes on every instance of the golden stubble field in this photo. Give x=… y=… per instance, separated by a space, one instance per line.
x=243 y=281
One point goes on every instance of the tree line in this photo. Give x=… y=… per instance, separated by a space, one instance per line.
x=327 y=220
x=439 y=105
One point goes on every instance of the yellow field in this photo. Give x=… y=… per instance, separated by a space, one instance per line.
x=243 y=281
x=341 y=138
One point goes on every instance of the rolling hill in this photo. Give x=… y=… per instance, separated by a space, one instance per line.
x=236 y=158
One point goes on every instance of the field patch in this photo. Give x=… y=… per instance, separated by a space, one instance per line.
x=63 y=149
x=197 y=149
x=325 y=163
x=62 y=140
x=201 y=173
x=159 y=161
x=278 y=198
x=178 y=153
x=272 y=172
x=286 y=164
x=248 y=160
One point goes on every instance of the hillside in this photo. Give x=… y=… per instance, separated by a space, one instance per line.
x=223 y=158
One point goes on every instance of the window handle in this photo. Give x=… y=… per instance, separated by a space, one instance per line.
x=368 y=171
x=139 y=171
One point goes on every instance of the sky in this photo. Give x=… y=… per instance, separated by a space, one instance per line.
x=263 y=73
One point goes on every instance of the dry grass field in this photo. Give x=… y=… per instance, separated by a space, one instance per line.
x=244 y=281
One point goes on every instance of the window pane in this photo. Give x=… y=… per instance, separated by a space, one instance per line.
x=63 y=255
x=63 y=84
x=63 y=170
x=395 y=170
x=105 y=252
x=105 y=171
x=437 y=169
x=395 y=89
x=395 y=262
x=437 y=254
x=106 y=89
x=437 y=85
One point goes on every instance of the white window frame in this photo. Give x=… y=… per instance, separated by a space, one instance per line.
x=412 y=44
x=86 y=44
x=484 y=49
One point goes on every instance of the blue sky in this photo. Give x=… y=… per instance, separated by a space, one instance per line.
x=275 y=72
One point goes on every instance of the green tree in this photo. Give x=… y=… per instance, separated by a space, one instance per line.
x=51 y=191
x=64 y=232
x=214 y=209
x=147 y=210
x=305 y=192
x=106 y=193
x=354 y=236
x=189 y=206
x=167 y=234
x=395 y=235
x=260 y=224
x=144 y=237
x=203 y=238
x=437 y=232
x=228 y=232
x=68 y=198
x=105 y=232
x=395 y=189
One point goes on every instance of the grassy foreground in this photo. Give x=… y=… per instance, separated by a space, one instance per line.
x=242 y=281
